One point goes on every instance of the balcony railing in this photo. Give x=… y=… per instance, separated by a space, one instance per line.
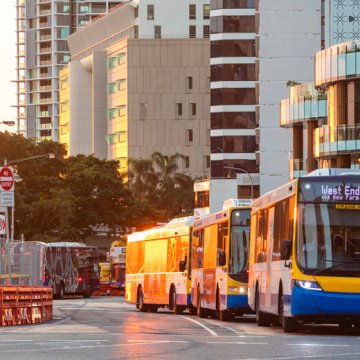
x=343 y=139
x=297 y=168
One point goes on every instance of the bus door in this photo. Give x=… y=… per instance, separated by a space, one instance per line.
x=270 y=242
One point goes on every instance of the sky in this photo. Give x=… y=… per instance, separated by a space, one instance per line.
x=7 y=61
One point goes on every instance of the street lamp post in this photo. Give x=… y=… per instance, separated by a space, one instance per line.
x=244 y=171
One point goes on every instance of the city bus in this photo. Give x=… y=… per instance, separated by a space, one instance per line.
x=71 y=268
x=117 y=259
x=305 y=252
x=158 y=267
x=219 y=274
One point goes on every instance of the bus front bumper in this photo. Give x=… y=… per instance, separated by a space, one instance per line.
x=318 y=302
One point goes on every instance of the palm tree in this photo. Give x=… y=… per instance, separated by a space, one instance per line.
x=165 y=168
x=142 y=177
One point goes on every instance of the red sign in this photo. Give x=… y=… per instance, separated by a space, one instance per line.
x=6 y=179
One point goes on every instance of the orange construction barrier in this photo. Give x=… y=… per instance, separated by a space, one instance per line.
x=22 y=305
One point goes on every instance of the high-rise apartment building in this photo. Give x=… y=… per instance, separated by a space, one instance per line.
x=138 y=82
x=42 y=29
x=256 y=48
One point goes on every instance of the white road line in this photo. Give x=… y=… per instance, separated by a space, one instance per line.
x=225 y=327
x=157 y=341
x=327 y=345
x=236 y=343
x=213 y=333
x=86 y=347
x=333 y=356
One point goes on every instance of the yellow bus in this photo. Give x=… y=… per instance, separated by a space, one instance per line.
x=158 y=268
x=220 y=262
x=305 y=251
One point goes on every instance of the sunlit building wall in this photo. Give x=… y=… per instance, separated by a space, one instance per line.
x=42 y=29
x=152 y=93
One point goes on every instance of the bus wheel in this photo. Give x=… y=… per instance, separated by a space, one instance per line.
x=141 y=306
x=288 y=324
x=200 y=311
x=222 y=315
x=262 y=319
x=176 y=309
x=61 y=290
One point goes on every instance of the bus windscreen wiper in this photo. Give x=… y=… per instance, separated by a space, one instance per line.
x=333 y=267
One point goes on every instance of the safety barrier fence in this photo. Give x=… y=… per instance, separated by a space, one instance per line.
x=22 y=305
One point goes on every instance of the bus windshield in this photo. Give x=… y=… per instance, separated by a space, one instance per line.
x=239 y=242
x=329 y=239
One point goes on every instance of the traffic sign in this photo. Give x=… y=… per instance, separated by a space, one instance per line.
x=2 y=225
x=6 y=179
x=7 y=199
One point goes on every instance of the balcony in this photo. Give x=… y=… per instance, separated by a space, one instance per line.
x=304 y=103
x=297 y=168
x=344 y=139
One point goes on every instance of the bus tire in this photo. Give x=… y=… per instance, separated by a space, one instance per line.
x=140 y=301
x=61 y=290
x=176 y=309
x=222 y=315
x=288 y=324
x=201 y=312
x=262 y=319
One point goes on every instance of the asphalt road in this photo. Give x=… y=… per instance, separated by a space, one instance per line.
x=105 y=328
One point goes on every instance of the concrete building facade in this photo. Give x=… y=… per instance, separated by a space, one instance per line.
x=42 y=29
x=130 y=96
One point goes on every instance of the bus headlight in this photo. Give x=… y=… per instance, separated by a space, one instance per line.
x=232 y=289
x=308 y=285
x=236 y=290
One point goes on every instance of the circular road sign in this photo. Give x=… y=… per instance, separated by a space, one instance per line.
x=6 y=179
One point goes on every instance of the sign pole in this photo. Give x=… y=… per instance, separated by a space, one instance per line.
x=8 y=272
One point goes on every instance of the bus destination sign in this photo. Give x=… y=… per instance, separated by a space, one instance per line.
x=340 y=193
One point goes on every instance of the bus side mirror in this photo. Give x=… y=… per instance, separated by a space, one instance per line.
x=182 y=265
x=285 y=250
x=222 y=258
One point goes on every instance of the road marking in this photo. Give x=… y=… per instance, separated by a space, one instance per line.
x=333 y=356
x=3 y=340
x=327 y=345
x=157 y=341
x=225 y=327
x=213 y=333
x=236 y=343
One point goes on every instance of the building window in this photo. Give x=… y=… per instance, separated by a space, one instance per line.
x=189 y=83
x=143 y=111
x=189 y=135
x=206 y=11
x=150 y=12
x=179 y=109
x=193 y=109
x=187 y=162
x=206 y=31
x=192 y=12
x=157 y=31
x=121 y=110
x=136 y=32
x=208 y=161
x=136 y=12
x=192 y=31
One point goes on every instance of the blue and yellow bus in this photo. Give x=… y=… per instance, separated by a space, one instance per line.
x=305 y=252
x=219 y=274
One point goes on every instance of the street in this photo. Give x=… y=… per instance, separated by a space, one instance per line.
x=107 y=328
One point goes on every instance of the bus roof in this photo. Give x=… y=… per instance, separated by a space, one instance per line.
x=217 y=217
x=275 y=195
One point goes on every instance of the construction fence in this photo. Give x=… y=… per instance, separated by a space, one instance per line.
x=21 y=263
